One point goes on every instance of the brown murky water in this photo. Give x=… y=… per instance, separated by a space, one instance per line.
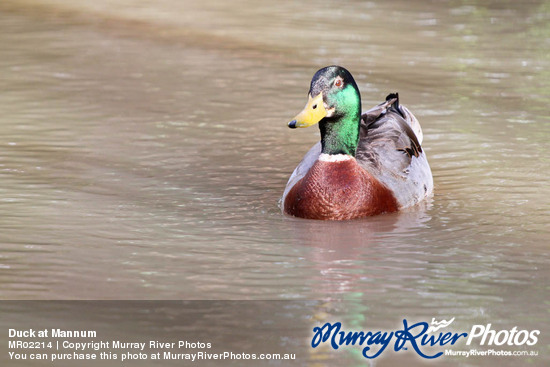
x=145 y=147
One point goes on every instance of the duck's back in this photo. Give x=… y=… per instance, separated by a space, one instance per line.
x=390 y=149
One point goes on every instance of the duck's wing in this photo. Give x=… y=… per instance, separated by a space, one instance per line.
x=390 y=149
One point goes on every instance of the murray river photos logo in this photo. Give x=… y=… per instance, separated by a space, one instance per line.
x=423 y=338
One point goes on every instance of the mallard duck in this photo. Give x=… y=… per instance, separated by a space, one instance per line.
x=365 y=164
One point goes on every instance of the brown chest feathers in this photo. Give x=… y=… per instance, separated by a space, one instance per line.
x=338 y=191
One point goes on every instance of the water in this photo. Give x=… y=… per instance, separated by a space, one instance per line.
x=145 y=148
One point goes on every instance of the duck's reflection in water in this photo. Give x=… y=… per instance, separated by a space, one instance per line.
x=353 y=256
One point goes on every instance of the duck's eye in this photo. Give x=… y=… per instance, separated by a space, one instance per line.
x=314 y=106
x=338 y=82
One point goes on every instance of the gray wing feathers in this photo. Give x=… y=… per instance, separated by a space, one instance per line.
x=390 y=150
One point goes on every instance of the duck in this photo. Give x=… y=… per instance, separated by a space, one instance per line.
x=366 y=163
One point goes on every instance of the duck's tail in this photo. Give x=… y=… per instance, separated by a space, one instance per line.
x=392 y=104
x=393 y=100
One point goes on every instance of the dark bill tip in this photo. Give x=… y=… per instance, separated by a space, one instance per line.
x=292 y=124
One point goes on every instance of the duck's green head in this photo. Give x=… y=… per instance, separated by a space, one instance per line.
x=335 y=103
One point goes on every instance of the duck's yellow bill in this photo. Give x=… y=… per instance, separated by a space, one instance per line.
x=313 y=112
